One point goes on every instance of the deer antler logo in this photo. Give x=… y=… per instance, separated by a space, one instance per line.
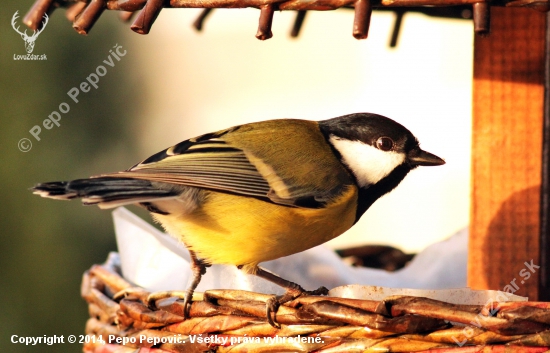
x=29 y=40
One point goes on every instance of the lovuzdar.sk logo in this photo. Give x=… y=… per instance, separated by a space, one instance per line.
x=29 y=40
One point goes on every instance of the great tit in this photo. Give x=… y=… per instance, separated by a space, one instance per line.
x=260 y=191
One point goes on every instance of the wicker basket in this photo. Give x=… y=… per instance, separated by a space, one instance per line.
x=124 y=318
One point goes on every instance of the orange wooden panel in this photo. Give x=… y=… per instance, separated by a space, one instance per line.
x=508 y=97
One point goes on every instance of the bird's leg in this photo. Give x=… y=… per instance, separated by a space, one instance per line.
x=198 y=268
x=293 y=291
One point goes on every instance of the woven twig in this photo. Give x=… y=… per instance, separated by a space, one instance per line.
x=125 y=317
x=84 y=13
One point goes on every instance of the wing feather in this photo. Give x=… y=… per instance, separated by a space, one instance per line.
x=211 y=164
x=234 y=161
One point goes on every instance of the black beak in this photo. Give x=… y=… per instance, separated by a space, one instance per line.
x=419 y=157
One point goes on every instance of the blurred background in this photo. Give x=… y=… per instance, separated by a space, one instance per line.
x=176 y=83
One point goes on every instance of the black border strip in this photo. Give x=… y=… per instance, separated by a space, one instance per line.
x=544 y=284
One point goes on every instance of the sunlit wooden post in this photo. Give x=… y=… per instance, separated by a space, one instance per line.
x=507 y=231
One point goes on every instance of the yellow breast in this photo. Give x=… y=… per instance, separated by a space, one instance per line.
x=237 y=230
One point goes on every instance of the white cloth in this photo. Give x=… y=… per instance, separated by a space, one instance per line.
x=156 y=261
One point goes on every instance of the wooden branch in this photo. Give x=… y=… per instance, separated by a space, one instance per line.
x=482 y=18
x=88 y=17
x=300 y=16
x=147 y=16
x=266 y=18
x=361 y=21
x=90 y=10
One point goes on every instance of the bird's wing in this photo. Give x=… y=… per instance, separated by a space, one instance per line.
x=203 y=162
x=215 y=161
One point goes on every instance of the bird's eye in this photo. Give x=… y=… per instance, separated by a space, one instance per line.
x=384 y=143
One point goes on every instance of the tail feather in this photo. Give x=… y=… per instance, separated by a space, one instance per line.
x=106 y=192
x=55 y=190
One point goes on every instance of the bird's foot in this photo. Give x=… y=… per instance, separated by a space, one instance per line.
x=318 y=291
x=198 y=268
x=187 y=301
x=272 y=305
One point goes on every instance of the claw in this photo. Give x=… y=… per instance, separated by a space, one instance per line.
x=271 y=307
x=293 y=291
x=318 y=291
x=187 y=300
x=273 y=303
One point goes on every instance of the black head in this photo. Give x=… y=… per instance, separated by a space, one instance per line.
x=378 y=151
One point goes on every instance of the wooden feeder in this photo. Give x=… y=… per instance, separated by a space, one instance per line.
x=125 y=318
x=510 y=197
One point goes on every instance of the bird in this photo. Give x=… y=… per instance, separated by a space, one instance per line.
x=260 y=191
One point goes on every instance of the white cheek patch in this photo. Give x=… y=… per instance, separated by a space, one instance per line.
x=368 y=164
